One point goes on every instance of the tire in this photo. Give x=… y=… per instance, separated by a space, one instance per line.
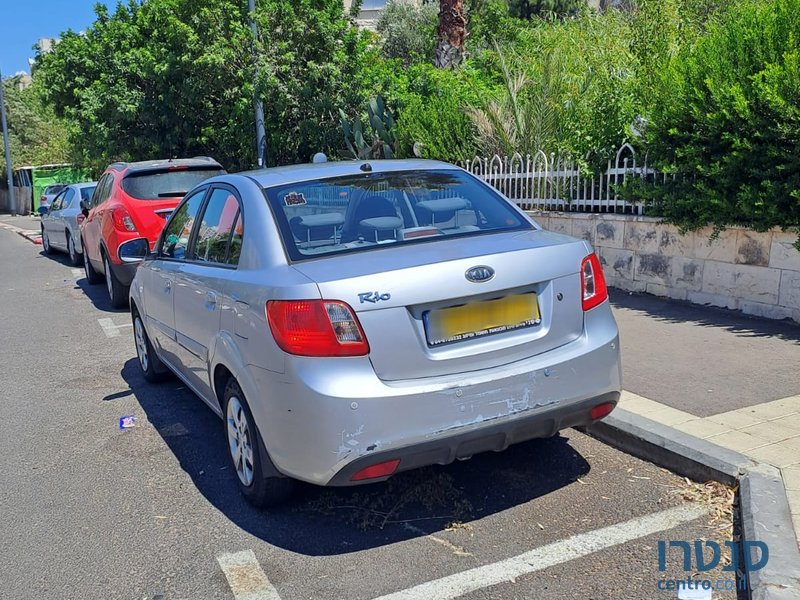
x=117 y=292
x=48 y=249
x=244 y=441
x=92 y=276
x=152 y=367
x=74 y=257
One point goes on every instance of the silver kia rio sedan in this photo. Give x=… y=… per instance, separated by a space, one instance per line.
x=351 y=320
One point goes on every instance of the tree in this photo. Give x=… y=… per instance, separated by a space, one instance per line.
x=168 y=78
x=36 y=136
x=451 y=34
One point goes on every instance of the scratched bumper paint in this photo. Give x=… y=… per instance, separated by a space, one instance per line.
x=319 y=425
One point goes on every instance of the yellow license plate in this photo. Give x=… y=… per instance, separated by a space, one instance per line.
x=479 y=319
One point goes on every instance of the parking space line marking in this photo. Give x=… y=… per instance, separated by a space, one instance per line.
x=245 y=576
x=110 y=328
x=576 y=546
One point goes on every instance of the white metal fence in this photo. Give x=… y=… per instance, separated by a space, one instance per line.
x=547 y=182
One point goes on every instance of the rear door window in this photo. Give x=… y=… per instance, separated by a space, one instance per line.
x=66 y=198
x=161 y=184
x=56 y=203
x=219 y=222
x=176 y=237
x=103 y=189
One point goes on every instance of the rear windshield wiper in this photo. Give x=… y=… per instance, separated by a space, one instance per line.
x=171 y=194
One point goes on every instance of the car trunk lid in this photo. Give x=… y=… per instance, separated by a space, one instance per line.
x=423 y=317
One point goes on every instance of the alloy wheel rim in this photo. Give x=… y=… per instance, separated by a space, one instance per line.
x=141 y=343
x=86 y=267
x=71 y=248
x=240 y=441
x=45 y=240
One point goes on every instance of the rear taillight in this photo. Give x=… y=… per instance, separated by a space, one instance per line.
x=42 y=198
x=316 y=328
x=593 y=283
x=122 y=219
x=80 y=218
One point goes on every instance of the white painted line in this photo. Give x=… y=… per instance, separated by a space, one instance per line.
x=577 y=546
x=245 y=576
x=110 y=329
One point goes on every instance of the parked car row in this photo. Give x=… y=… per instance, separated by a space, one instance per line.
x=349 y=321
x=61 y=221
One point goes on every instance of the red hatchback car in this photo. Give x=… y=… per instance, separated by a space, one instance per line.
x=134 y=200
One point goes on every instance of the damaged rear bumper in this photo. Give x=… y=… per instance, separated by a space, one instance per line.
x=323 y=421
x=491 y=436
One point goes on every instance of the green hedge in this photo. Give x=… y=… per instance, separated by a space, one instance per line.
x=728 y=122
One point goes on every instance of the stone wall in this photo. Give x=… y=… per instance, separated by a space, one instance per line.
x=757 y=273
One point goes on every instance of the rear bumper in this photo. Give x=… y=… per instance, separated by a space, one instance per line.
x=323 y=420
x=495 y=437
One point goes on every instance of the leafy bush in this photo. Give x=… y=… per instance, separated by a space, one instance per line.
x=432 y=112
x=408 y=31
x=565 y=88
x=728 y=121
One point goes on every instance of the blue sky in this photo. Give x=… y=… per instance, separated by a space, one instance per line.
x=23 y=22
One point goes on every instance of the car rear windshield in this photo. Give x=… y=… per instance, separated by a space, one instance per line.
x=54 y=189
x=362 y=212
x=86 y=193
x=173 y=182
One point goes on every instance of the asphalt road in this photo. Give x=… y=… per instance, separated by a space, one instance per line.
x=91 y=511
x=704 y=360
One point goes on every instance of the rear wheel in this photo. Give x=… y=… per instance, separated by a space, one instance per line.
x=244 y=445
x=92 y=276
x=152 y=367
x=117 y=292
x=48 y=249
x=74 y=257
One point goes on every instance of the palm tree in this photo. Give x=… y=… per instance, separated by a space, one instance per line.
x=452 y=34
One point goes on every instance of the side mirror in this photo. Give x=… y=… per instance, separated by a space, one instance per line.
x=85 y=208
x=43 y=210
x=134 y=251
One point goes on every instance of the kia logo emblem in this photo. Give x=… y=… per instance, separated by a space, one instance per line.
x=479 y=274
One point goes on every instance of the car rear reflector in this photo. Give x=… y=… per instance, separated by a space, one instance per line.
x=593 y=282
x=80 y=219
x=383 y=469
x=316 y=328
x=600 y=411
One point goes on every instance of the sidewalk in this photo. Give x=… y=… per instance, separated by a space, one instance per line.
x=718 y=375
x=27 y=227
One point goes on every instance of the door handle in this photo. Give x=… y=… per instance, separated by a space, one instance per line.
x=211 y=298
x=167 y=286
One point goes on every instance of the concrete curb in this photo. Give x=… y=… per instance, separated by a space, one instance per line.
x=766 y=518
x=30 y=235
x=763 y=506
